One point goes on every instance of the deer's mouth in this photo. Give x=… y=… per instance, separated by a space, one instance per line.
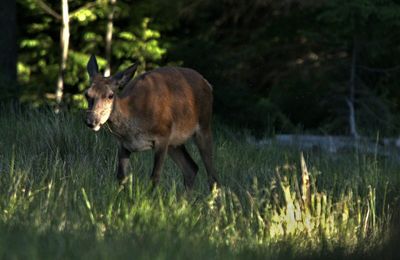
x=96 y=128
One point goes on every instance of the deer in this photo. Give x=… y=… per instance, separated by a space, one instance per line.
x=160 y=110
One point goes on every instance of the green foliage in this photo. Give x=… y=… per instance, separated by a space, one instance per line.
x=142 y=44
x=39 y=53
x=84 y=16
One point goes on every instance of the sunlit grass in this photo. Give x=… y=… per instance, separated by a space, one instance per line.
x=59 y=198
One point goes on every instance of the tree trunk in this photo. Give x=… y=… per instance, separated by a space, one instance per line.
x=352 y=85
x=64 y=44
x=109 y=33
x=8 y=53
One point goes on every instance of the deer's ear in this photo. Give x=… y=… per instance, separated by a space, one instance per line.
x=92 y=67
x=123 y=77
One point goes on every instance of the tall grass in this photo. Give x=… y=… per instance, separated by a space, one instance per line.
x=59 y=199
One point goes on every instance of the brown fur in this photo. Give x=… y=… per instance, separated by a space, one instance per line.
x=159 y=110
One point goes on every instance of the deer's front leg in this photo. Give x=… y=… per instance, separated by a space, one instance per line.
x=123 y=163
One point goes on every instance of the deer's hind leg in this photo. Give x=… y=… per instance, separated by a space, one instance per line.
x=189 y=168
x=203 y=139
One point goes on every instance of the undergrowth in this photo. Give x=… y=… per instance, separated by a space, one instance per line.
x=59 y=199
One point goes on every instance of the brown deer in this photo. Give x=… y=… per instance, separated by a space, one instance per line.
x=160 y=109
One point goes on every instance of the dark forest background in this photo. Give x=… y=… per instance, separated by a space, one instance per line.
x=317 y=66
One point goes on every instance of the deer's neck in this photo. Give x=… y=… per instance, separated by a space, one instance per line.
x=118 y=117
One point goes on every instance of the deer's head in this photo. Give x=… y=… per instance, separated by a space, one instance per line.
x=101 y=93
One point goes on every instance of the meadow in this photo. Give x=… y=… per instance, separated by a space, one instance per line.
x=59 y=199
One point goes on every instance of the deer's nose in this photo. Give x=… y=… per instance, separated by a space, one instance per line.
x=90 y=123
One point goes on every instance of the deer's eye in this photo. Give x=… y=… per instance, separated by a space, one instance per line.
x=111 y=96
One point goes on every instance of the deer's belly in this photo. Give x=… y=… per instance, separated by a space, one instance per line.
x=137 y=144
x=180 y=135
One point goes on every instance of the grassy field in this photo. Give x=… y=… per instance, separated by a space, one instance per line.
x=59 y=199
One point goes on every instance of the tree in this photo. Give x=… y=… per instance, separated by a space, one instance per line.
x=361 y=28
x=109 y=34
x=8 y=47
x=64 y=42
x=64 y=46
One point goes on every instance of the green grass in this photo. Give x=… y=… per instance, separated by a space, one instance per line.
x=59 y=199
